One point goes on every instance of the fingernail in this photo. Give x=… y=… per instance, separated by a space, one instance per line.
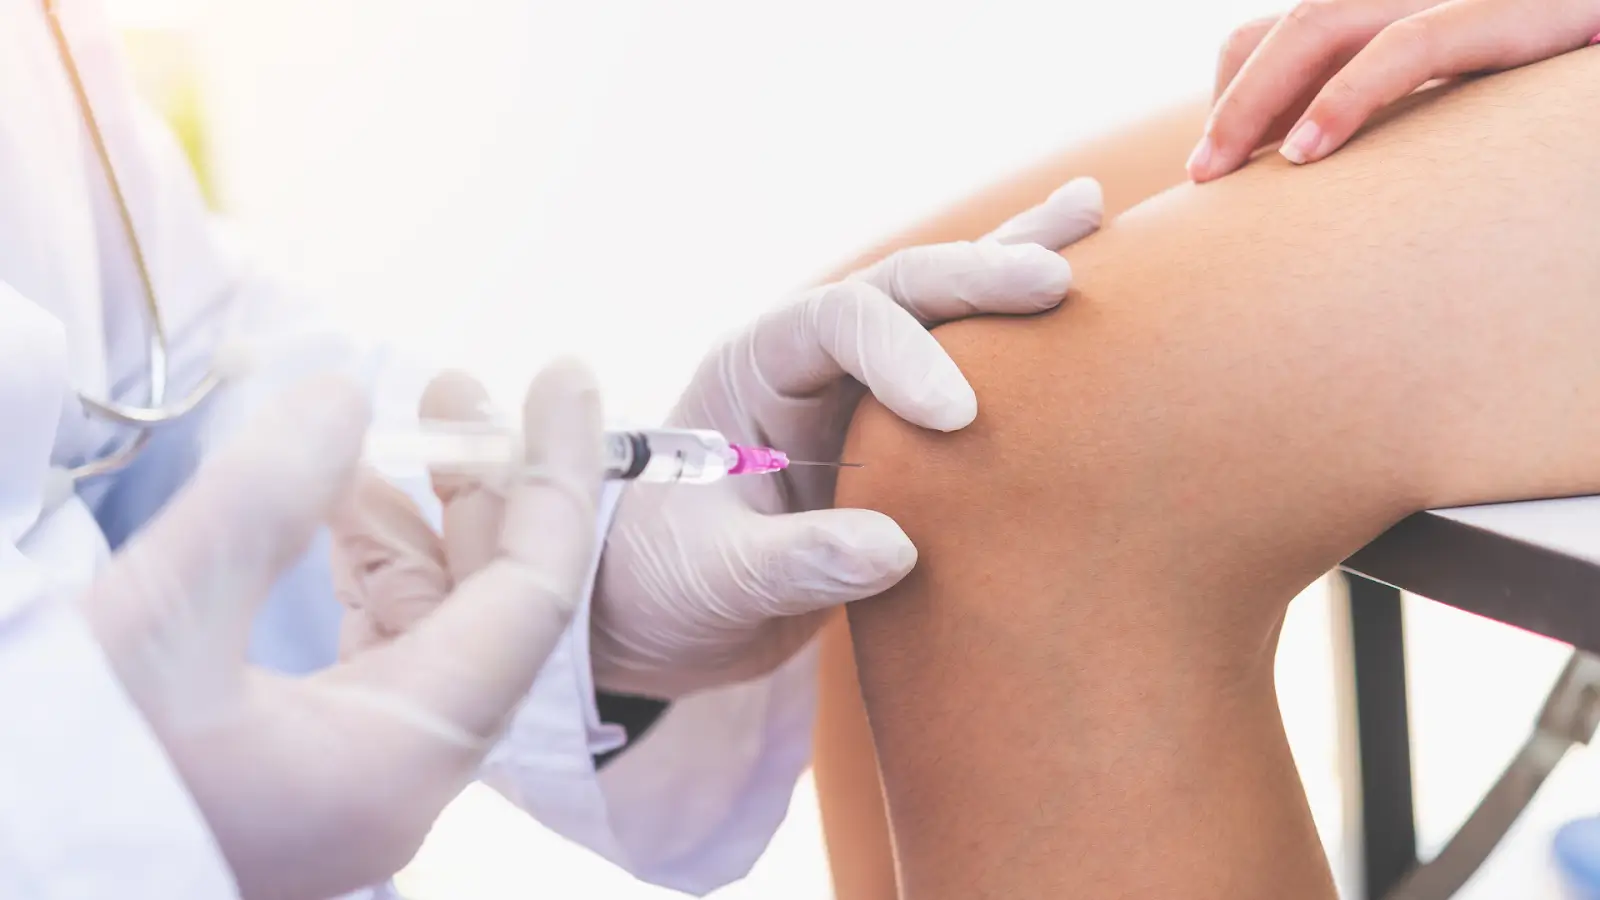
x=1302 y=144
x=1199 y=165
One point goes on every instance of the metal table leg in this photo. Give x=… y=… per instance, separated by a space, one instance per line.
x=1570 y=715
x=1389 y=835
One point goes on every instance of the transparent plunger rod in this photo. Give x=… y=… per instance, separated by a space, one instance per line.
x=675 y=455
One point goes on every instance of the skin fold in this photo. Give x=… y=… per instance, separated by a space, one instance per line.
x=1071 y=695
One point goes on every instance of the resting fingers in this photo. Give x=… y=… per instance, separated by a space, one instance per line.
x=1320 y=72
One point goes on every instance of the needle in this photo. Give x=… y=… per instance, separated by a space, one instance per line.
x=836 y=465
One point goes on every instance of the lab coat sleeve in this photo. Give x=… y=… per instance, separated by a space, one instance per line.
x=78 y=821
x=694 y=801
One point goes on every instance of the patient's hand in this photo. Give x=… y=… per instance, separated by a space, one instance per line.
x=1337 y=62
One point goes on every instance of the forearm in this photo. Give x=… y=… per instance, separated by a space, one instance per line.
x=1072 y=692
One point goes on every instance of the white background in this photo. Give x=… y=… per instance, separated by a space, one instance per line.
x=491 y=182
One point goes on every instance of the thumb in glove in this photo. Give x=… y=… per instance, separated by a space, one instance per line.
x=812 y=561
x=791 y=569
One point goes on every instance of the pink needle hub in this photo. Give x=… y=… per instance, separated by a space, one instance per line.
x=757 y=460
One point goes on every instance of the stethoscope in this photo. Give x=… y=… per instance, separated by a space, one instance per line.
x=160 y=411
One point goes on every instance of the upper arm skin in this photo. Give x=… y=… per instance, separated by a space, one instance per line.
x=1250 y=379
x=1425 y=301
x=1131 y=164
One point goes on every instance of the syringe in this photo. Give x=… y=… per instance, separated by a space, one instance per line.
x=677 y=455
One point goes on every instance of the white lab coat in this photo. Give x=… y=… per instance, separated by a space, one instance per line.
x=89 y=804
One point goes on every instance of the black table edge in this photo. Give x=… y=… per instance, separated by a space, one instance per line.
x=1525 y=585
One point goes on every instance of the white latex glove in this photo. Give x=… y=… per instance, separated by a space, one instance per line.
x=704 y=586
x=390 y=568
x=320 y=785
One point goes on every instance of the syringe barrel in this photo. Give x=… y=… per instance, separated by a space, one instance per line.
x=677 y=455
x=680 y=455
x=469 y=448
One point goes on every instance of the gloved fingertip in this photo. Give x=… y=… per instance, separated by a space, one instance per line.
x=872 y=550
x=897 y=558
x=829 y=557
x=567 y=375
x=562 y=450
x=1043 y=277
x=948 y=402
x=563 y=407
x=957 y=415
x=1071 y=212
x=454 y=395
x=1083 y=194
x=904 y=366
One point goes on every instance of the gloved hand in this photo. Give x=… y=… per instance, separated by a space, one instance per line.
x=390 y=568
x=706 y=586
x=320 y=785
